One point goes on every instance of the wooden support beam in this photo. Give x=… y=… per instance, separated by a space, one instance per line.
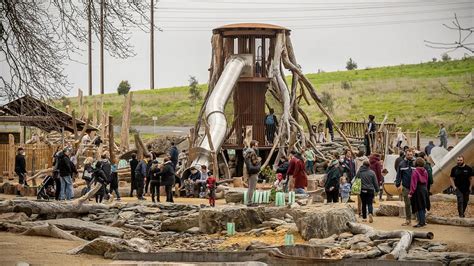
x=125 y=135
x=11 y=156
x=213 y=151
x=111 y=140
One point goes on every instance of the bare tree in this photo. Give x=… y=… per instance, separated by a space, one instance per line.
x=463 y=41
x=37 y=37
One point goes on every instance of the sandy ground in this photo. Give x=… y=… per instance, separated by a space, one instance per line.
x=41 y=250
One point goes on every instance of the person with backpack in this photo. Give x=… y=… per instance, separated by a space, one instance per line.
x=271 y=124
x=253 y=164
x=100 y=177
x=140 y=174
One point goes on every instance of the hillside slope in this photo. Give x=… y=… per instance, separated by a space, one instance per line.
x=415 y=96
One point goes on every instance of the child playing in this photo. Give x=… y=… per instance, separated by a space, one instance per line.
x=345 y=189
x=211 y=185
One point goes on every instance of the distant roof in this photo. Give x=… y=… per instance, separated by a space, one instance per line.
x=30 y=111
x=251 y=26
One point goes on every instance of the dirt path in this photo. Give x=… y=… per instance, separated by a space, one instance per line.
x=41 y=250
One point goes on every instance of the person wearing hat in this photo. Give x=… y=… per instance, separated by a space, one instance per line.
x=20 y=166
x=332 y=181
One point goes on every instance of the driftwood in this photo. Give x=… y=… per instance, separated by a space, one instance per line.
x=466 y=222
x=51 y=231
x=401 y=249
x=123 y=223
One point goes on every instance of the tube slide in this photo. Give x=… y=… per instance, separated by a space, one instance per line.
x=215 y=109
x=442 y=168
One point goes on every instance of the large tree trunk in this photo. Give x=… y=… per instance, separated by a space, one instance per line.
x=51 y=231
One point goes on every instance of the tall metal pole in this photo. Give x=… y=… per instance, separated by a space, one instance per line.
x=152 y=52
x=102 y=7
x=90 y=46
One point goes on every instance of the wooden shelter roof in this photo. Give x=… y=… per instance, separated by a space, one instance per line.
x=244 y=27
x=30 y=111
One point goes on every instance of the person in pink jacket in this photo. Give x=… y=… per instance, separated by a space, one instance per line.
x=418 y=194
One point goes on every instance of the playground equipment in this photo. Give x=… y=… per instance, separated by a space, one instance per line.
x=247 y=62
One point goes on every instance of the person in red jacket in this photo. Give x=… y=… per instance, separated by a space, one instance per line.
x=376 y=166
x=296 y=173
x=211 y=185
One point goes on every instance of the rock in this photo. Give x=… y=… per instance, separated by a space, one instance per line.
x=193 y=230
x=276 y=212
x=359 y=246
x=290 y=228
x=385 y=248
x=440 y=248
x=374 y=253
x=322 y=221
x=180 y=224
x=345 y=235
x=213 y=220
x=359 y=238
x=391 y=208
x=321 y=241
x=302 y=202
x=108 y=246
x=127 y=215
x=235 y=196
x=14 y=217
x=86 y=230
x=287 y=215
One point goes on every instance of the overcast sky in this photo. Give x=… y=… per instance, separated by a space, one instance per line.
x=324 y=35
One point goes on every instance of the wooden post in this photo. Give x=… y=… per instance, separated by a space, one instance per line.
x=125 y=136
x=111 y=139
x=152 y=44
x=80 y=103
x=418 y=144
x=11 y=156
x=89 y=42
x=102 y=15
x=94 y=114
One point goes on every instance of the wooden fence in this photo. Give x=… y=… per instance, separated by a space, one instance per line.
x=356 y=130
x=38 y=156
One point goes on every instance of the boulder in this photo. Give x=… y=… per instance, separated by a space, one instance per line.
x=322 y=221
x=86 y=230
x=14 y=217
x=108 y=246
x=235 y=196
x=214 y=220
x=389 y=209
x=127 y=215
x=180 y=224
x=323 y=241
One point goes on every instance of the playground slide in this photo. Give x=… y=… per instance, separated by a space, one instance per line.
x=215 y=105
x=443 y=166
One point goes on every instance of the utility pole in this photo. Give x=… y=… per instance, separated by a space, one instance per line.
x=102 y=11
x=152 y=44
x=90 y=45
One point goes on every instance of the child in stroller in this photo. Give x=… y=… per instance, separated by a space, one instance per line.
x=46 y=189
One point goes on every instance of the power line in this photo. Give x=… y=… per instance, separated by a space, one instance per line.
x=326 y=26
x=295 y=9
x=304 y=18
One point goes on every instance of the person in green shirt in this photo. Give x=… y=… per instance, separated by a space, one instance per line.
x=309 y=156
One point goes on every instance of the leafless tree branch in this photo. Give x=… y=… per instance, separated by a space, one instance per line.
x=464 y=33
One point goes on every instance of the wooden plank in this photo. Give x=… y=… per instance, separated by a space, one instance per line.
x=11 y=155
x=111 y=140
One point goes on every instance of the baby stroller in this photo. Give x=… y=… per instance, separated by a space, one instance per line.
x=46 y=189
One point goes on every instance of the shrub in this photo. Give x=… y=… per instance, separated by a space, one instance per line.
x=351 y=64
x=445 y=57
x=123 y=88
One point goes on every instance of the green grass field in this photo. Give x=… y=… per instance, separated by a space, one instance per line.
x=412 y=95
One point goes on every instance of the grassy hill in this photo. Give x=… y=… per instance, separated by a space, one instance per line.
x=416 y=96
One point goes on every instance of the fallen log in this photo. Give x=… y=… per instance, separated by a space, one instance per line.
x=401 y=249
x=466 y=222
x=51 y=231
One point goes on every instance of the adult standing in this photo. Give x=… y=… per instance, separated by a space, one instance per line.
x=400 y=138
x=57 y=178
x=20 y=166
x=359 y=161
x=65 y=174
x=461 y=180
x=376 y=166
x=309 y=156
x=331 y=185
x=419 y=192
x=330 y=129
x=429 y=147
x=428 y=168
x=167 y=175
x=369 y=186
x=443 y=136
x=271 y=124
x=88 y=172
x=403 y=182
x=349 y=166
x=174 y=154
x=148 y=172
x=133 y=166
x=400 y=158
x=296 y=173
x=370 y=134
x=140 y=174
x=155 y=181
x=253 y=164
